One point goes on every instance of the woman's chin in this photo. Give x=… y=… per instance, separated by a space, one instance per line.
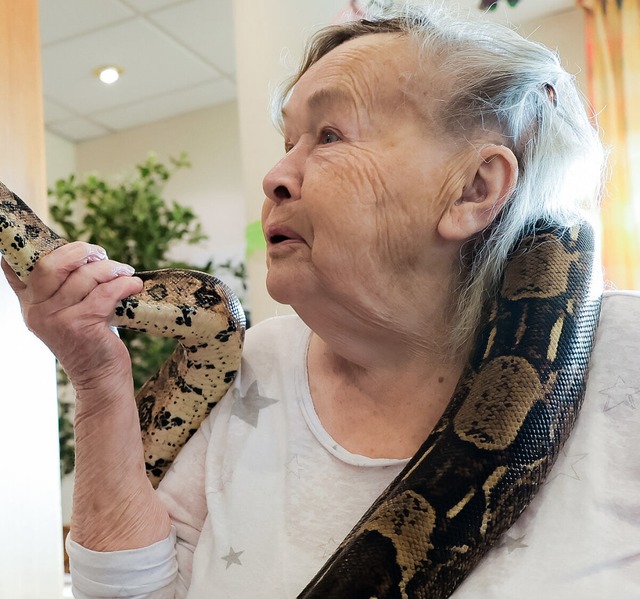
x=284 y=288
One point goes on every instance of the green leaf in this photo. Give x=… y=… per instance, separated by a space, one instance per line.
x=137 y=225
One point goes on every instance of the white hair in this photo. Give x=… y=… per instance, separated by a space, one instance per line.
x=492 y=80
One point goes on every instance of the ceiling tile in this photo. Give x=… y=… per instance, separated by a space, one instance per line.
x=153 y=65
x=54 y=112
x=204 y=26
x=145 y=6
x=173 y=52
x=60 y=19
x=167 y=105
x=77 y=129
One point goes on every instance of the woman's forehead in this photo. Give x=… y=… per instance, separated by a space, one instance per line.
x=367 y=71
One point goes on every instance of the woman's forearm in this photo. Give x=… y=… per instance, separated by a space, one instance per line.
x=68 y=301
x=114 y=505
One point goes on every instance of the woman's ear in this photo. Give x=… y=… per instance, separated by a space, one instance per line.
x=489 y=185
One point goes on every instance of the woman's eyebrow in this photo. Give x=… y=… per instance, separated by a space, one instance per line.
x=324 y=98
x=329 y=96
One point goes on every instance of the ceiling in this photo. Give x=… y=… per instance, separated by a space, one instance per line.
x=176 y=55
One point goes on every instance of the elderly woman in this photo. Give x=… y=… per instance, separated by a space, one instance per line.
x=417 y=149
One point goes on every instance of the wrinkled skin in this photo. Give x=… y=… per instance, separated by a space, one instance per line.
x=68 y=300
x=362 y=186
x=364 y=218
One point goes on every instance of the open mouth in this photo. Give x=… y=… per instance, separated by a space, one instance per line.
x=278 y=235
x=278 y=239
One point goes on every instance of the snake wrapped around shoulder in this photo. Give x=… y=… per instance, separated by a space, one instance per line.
x=514 y=406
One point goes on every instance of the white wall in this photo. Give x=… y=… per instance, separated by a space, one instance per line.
x=563 y=32
x=60 y=158
x=212 y=186
x=30 y=549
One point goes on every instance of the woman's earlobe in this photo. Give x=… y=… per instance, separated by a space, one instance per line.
x=490 y=185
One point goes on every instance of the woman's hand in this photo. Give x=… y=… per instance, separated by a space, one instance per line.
x=68 y=301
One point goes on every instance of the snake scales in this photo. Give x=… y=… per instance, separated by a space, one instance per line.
x=194 y=308
x=514 y=406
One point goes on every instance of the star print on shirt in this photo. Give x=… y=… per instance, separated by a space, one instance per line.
x=225 y=477
x=293 y=467
x=568 y=467
x=233 y=557
x=247 y=407
x=329 y=548
x=511 y=543
x=620 y=394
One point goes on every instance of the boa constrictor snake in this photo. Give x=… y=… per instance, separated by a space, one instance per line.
x=196 y=309
x=514 y=406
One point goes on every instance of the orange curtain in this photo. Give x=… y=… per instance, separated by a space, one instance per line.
x=613 y=58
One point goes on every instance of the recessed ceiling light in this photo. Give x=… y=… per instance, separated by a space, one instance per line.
x=108 y=74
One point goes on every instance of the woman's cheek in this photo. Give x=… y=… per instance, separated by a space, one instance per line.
x=267 y=206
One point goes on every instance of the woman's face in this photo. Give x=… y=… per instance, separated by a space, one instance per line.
x=352 y=209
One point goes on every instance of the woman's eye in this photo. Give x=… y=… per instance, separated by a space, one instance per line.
x=328 y=137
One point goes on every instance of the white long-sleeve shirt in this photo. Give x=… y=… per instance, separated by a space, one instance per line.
x=262 y=495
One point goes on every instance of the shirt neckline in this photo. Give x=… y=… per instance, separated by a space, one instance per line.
x=305 y=401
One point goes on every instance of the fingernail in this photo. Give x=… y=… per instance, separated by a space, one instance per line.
x=123 y=270
x=96 y=253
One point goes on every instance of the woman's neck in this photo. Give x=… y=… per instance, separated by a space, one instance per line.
x=379 y=392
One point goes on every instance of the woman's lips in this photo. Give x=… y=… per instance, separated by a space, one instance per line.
x=279 y=234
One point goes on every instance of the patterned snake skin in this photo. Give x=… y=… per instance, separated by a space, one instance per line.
x=196 y=309
x=514 y=407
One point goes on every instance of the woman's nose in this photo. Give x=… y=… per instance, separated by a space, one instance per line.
x=284 y=180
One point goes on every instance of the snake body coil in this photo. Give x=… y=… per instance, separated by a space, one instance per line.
x=514 y=406
x=197 y=309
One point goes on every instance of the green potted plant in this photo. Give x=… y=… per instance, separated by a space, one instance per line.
x=137 y=226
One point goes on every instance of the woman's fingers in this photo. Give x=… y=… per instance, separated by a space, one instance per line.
x=86 y=298
x=68 y=301
x=82 y=281
x=52 y=270
x=68 y=275
x=98 y=305
x=71 y=294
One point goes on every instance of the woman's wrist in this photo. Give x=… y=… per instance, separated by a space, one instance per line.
x=114 y=505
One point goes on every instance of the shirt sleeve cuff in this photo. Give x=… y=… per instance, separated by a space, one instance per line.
x=129 y=573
